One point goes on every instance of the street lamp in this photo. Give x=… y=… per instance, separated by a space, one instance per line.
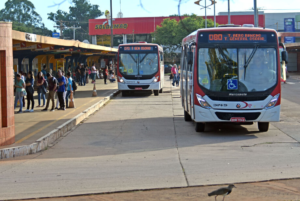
x=213 y=2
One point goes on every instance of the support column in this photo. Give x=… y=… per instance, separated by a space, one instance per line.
x=7 y=120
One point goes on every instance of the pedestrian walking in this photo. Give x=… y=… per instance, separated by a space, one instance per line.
x=69 y=89
x=41 y=89
x=20 y=92
x=23 y=76
x=174 y=72
x=52 y=84
x=82 y=74
x=105 y=73
x=61 y=89
x=29 y=82
x=94 y=73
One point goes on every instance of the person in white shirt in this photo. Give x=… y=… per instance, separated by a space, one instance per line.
x=112 y=77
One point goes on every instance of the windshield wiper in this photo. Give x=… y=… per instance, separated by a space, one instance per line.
x=249 y=60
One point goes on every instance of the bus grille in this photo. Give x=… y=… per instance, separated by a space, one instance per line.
x=138 y=86
x=248 y=116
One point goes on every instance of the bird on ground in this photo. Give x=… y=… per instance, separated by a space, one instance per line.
x=222 y=191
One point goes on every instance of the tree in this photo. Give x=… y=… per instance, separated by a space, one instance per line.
x=24 y=17
x=171 y=32
x=22 y=11
x=78 y=16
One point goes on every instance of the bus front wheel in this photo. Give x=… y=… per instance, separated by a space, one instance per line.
x=187 y=117
x=124 y=93
x=156 y=92
x=199 y=127
x=263 y=126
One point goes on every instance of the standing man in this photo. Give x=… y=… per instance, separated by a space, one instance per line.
x=61 y=89
x=174 y=72
x=82 y=75
x=44 y=71
x=52 y=83
x=77 y=74
x=69 y=88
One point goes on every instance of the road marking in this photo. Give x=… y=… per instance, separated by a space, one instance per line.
x=290 y=82
x=40 y=129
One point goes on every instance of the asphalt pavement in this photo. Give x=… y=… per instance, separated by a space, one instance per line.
x=142 y=142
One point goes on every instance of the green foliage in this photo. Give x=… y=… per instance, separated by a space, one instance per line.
x=171 y=32
x=78 y=15
x=24 y=17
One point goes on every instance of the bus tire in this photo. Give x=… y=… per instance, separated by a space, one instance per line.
x=156 y=92
x=187 y=117
x=199 y=127
x=263 y=126
x=124 y=93
x=161 y=90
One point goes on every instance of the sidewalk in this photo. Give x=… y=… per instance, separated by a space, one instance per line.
x=31 y=126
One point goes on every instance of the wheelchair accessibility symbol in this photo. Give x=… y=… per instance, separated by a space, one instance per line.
x=232 y=84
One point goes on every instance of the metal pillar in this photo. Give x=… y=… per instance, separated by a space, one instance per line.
x=215 y=15
x=111 y=27
x=229 y=21
x=255 y=14
x=205 y=15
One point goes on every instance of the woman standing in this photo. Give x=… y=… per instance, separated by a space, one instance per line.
x=105 y=73
x=20 y=86
x=29 y=82
x=87 y=74
x=41 y=89
x=94 y=73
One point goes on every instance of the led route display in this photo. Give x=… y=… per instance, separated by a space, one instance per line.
x=137 y=48
x=237 y=38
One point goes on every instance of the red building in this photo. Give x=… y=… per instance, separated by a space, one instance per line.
x=128 y=30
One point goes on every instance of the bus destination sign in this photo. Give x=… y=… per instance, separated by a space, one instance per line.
x=138 y=48
x=237 y=38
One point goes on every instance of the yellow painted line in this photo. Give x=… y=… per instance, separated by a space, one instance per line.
x=40 y=129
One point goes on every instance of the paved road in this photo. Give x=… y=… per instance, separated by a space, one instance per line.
x=142 y=142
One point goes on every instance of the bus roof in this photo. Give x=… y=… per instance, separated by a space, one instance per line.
x=143 y=44
x=193 y=36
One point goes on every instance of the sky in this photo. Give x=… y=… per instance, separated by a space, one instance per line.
x=149 y=8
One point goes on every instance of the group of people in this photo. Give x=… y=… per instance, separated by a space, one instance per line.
x=83 y=72
x=175 y=72
x=45 y=83
x=50 y=85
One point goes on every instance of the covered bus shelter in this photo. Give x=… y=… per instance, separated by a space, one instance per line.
x=25 y=52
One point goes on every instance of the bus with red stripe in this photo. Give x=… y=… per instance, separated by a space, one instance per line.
x=231 y=74
x=140 y=67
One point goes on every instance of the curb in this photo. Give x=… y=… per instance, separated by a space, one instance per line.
x=48 y=139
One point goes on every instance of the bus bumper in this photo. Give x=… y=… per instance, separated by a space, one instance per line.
x=213 y=115
x=142 y=86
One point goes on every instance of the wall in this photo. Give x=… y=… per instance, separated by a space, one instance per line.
x=7 y=120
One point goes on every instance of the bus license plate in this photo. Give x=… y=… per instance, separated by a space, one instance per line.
x=237 y=119
x=138 y=88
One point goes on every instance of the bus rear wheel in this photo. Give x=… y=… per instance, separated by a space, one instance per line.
x=161 y=90
x=199 y=127
x=187 y=117
x=263 y=126
x=156 y=92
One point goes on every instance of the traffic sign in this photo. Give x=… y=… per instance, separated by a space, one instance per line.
x=55 y=35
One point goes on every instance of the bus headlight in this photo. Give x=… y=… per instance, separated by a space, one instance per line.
x=121 y=79
x=156 y=79
x=203 y=102
x=272 y=102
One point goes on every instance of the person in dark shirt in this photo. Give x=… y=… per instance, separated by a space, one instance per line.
x=61 y=89
x=77 y=74
x=82 y=74
x=29 y=82
x=52 y=84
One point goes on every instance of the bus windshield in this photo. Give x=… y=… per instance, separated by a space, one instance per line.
x=237 y=69
x=138 y=64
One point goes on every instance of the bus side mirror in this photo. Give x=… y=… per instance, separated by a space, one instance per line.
x=284 y=56
x=190 y=58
